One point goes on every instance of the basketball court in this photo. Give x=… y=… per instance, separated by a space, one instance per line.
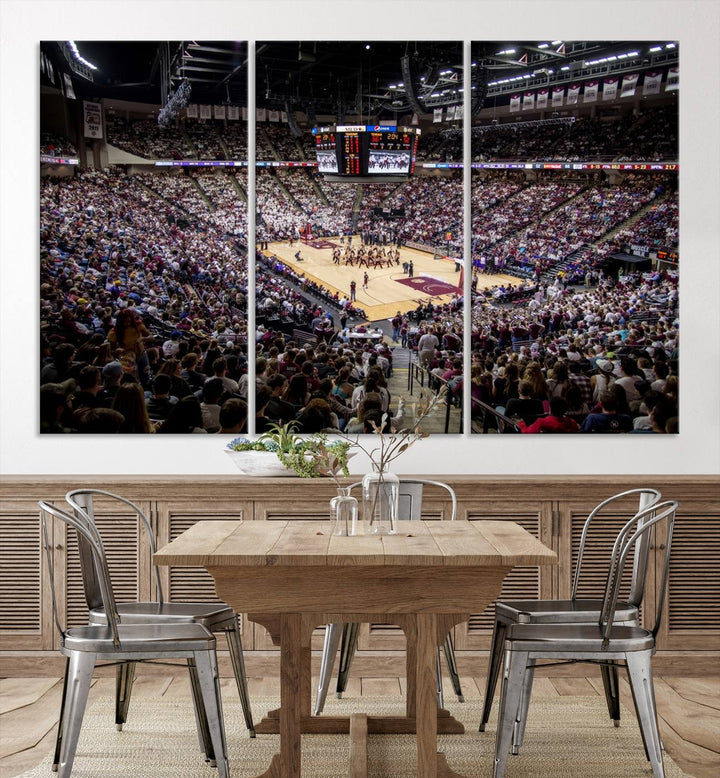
x=389 y=289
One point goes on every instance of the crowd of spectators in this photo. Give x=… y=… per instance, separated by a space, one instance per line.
x=608 y=353
x=277 y=142
x=225 y=190
x=650 y=135
x=56 y=146
x=144 y=291
x=145 y=138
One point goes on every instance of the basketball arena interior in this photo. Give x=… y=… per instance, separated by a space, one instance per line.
x=165 y=293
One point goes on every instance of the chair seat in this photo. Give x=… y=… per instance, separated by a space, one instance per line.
x=559 y=611
x=145 y=638
x=557 y=638
x=209 y=614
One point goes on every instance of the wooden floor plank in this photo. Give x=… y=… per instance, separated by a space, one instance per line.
x=353 y=688
x=380 y=687
x=264 y=687
x=17 y=764
x=468 y=686
x=573 y=687
x=25 y=727
x=690 y=758
x=695 y=724
x=17 y=692
x=704 y=691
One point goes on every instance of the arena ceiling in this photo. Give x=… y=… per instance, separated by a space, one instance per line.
x=337 y=76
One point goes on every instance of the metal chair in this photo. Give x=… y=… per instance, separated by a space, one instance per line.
x=216 y=617
x=600 y=643
x=114 y=641
x=575 y=610
x=345 y=635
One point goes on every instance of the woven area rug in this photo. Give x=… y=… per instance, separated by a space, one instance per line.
x=566 y=737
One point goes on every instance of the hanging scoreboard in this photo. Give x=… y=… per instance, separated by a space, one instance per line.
x=366 y=150
x=325 y=149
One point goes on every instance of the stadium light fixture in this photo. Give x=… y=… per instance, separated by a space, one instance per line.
x=79 y=57
x=655 y=48
x=556 y=43
x=669 y=45
x=543 y=45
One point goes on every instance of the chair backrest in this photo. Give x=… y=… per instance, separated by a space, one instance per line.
x=647 y=498
x=82 y=502
x=411 y=495
x=640 y=527
x=90 y=539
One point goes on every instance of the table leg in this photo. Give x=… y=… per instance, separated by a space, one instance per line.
x=429 y=633
x=294 y=694
x=425 y=694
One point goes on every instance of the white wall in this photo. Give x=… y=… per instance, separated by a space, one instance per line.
x=696 y=24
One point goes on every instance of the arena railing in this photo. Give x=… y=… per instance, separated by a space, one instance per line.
x=504 y=424
x=415 y=373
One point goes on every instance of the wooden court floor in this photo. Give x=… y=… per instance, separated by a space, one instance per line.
x=384 y=295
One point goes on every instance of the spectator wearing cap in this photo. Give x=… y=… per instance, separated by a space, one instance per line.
x=112 y=373
x=603 y=379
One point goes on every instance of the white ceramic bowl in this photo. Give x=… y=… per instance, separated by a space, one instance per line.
x=259 y=463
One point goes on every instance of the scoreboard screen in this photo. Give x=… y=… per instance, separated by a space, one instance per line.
x=325 y=149
x=350 y=154
x=359 y=150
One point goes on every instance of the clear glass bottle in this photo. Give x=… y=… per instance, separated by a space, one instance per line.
x=380 y=494
x=344 y=513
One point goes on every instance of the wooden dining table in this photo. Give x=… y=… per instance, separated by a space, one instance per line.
x=293 y=576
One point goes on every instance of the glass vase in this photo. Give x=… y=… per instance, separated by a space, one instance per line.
x=380 y=494
x=344 y=513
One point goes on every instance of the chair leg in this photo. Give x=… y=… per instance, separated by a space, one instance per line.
x=58 y=739
x=511 y=692
x=80 y=670
x=206 y=745
x=124 y=677
x=521 y=718
x=449 y=650
x=641 y=682
x=496 y=662
x=612 y=690
x=207 y=671
x=238 y=663
x=347 y=652
x=333 y=633
x=438 y=676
